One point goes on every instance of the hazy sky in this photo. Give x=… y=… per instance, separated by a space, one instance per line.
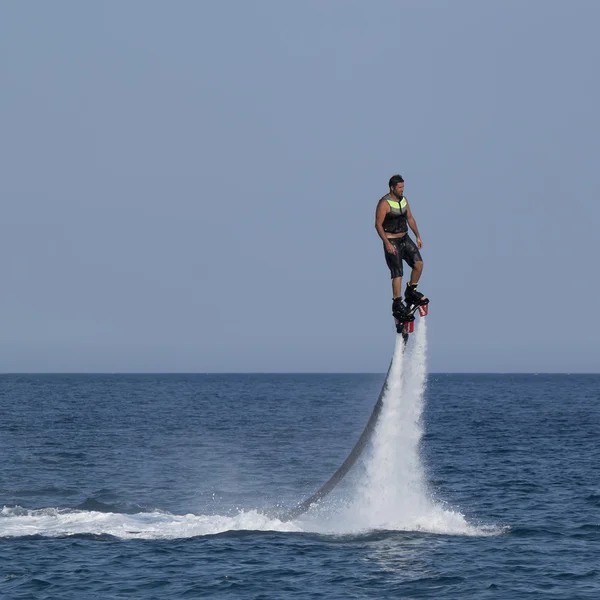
x=190 y=185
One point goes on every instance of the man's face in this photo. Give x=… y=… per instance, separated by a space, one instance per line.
x=399 y=189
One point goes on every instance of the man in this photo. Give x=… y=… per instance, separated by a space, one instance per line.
x=392 y=219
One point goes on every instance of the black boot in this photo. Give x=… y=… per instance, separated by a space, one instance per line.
x=399 y=309
x=414 y=298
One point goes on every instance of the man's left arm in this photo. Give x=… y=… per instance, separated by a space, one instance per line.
x=413 y=225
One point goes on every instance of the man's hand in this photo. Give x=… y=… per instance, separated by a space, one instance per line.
x=419 y=243
x=390 y=248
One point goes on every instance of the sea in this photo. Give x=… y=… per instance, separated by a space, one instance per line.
x=163 y=486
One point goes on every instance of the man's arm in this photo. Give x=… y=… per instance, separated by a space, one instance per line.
x=413 y=225
x=383 y=208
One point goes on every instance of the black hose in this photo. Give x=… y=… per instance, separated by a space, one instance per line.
x=360 y=445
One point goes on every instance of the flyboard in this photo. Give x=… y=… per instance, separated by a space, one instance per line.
x=404 y=328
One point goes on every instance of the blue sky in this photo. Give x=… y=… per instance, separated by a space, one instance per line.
x=191 y=186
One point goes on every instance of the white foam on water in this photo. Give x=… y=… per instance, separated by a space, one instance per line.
x=55 y=522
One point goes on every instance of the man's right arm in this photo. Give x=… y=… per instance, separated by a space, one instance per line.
x=382 y=210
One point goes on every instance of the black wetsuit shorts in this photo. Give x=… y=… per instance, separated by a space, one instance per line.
x=406 y=250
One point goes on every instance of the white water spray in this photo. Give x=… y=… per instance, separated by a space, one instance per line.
x=394 y=492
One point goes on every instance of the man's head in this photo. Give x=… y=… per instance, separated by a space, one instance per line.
x=397 y=185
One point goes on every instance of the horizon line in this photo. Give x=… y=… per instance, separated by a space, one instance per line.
x=149 y=373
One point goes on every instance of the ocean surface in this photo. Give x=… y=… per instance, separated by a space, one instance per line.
x=172 y=486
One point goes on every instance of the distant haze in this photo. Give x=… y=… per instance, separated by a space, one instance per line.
x=191 y=186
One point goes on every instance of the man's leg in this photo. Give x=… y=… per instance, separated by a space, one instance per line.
x=415 y=261
x=394 y=262
x=411 y=295
x=415 y=274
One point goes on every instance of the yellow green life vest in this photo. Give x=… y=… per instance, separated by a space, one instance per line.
x=395 y=220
